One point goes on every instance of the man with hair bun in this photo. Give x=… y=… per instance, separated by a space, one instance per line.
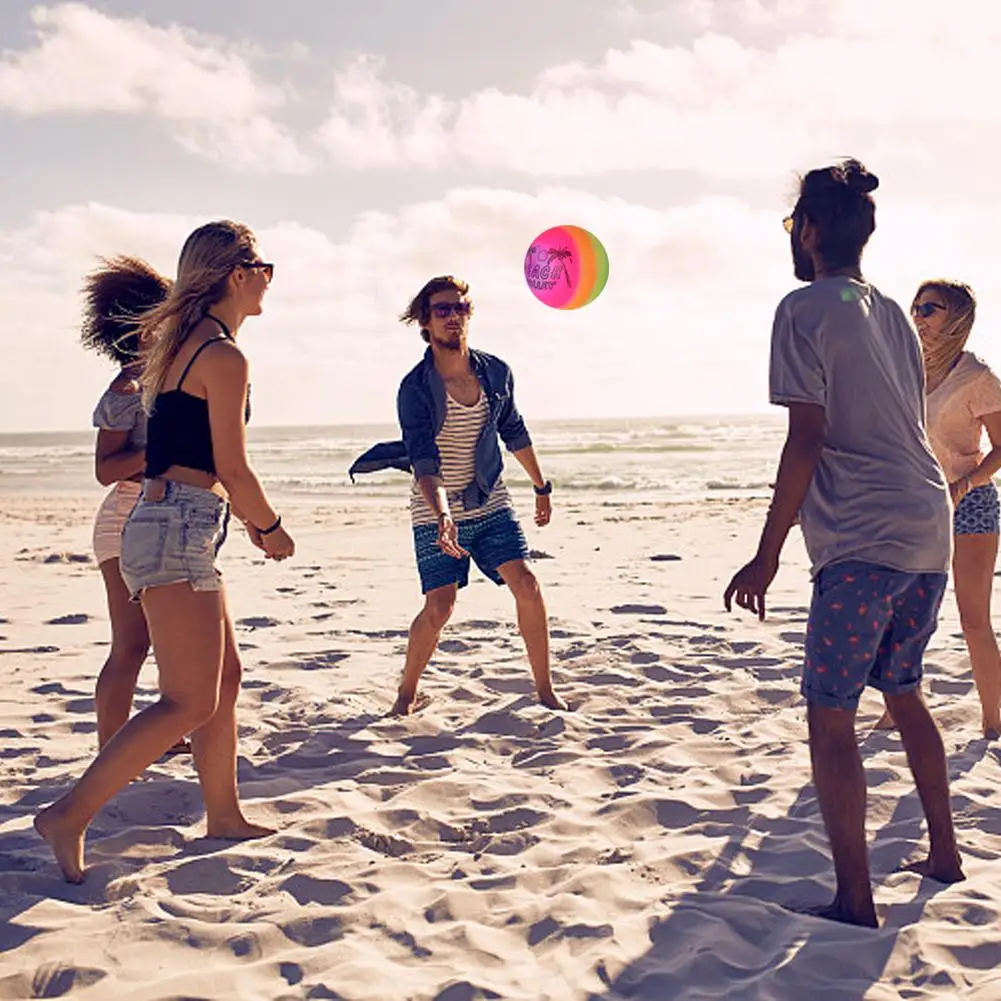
x=873 y=503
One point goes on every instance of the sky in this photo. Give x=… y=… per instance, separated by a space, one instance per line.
x=373 y=145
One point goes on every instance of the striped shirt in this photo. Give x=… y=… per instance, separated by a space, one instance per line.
x=456 y=443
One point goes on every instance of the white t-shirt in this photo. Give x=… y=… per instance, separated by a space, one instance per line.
x=878 y=494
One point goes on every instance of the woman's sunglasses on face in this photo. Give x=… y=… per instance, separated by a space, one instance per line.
x=443 y=310
x=265 y=266
x=926 y=309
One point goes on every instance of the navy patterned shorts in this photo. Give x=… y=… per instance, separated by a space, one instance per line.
x=978 y=513
x=492 y=541
x=869 y=625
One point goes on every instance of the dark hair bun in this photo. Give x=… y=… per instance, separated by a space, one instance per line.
x=858 y=178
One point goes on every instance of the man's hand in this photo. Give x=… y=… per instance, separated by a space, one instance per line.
x=543 y=510
x=750 y=583
x=448 y=537
x=254 y=534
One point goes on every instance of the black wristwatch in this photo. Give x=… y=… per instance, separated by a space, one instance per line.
x=545 y=490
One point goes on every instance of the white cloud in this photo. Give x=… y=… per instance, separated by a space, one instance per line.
x=204 y=87
x=903 y=86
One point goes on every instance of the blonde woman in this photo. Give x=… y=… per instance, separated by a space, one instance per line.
x=964 y=401
x=114 y=296
x=195 y=386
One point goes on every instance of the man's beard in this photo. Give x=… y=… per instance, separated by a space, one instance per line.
x=451 y=341
x=802 y=263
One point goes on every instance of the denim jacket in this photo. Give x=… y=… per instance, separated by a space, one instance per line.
x=420 y=405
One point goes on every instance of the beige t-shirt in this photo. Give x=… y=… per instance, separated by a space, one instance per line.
x=956 y=410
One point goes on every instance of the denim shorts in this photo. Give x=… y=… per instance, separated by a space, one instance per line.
x=174 y=539
x=978 y=513
x=491 y=541
x=869 y=625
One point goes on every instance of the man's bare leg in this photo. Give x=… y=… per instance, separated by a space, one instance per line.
x=841 y=792
x=926 y=757
x=425 y=631
x=533 y=622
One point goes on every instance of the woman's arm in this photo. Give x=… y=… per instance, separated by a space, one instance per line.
x=991 y=463
x=224 y=372
x=113 y=461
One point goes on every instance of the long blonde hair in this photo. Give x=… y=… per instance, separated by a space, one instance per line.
x=207 y=259
x=962 y=311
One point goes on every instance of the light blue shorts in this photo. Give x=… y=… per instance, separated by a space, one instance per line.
x=174 y=539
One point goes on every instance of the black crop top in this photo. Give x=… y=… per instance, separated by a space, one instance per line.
x=178 y=431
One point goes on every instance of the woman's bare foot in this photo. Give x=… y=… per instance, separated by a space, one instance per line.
x=552 y=701
x=236 y=829
x=885 y=722
x=407 y=705
x=992 y=728
x=65 y=840
x=942 y=871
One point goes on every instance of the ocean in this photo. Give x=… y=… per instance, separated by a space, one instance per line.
x=672 y=459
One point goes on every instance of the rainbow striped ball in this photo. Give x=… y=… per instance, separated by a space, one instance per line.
x=566 y=267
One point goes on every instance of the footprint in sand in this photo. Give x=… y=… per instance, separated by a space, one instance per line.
x=638 y=610
x=455 y=646
x=75 y=619
x=258 y=622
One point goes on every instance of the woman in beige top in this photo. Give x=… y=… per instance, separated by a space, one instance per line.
x=964 y=400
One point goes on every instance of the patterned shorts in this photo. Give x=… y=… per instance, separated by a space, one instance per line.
x=492 y=541
x=868 y=625
x=978 y=513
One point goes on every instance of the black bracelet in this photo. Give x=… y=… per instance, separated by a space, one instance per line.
x=273 y=528
x=544 y=490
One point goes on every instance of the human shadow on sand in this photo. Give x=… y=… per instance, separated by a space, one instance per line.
x=738 y=936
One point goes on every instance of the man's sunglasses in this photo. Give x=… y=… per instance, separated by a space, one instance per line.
x=926 y=309
x=265 y=266
x=443 y=310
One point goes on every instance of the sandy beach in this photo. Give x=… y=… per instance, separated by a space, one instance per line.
x=639 y=847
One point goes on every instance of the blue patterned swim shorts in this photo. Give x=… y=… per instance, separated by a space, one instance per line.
x=492 y=541
x=869 y=625
x=978 y=513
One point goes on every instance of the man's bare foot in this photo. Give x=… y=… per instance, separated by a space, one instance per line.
x=236 y=829
x=838 y=912
x=885 y=722
x=552 y=701
x=65 y=840
x=992 y=729
x=407 y=705
x=944 y=871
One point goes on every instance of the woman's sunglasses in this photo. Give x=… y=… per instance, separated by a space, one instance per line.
x=443 y=310
x=265 y=266
x=926 y=309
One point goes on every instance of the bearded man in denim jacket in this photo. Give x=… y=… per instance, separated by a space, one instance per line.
x=454 y=408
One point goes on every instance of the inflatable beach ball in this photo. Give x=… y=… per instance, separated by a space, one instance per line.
x=566 y=267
